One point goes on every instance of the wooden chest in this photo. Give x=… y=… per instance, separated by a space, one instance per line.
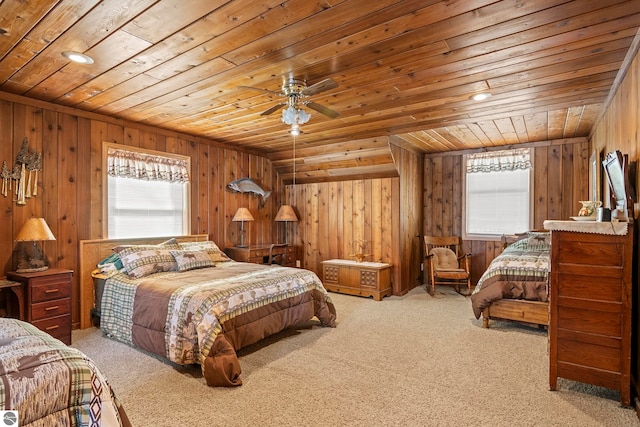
x=369 y=279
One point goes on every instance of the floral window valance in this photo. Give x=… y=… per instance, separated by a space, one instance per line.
x=498 y=161
x=129 y=164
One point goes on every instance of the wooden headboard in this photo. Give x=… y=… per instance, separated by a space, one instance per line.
x=93 y=251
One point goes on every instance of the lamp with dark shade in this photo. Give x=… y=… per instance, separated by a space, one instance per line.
x=242 y=215
x=33 y=230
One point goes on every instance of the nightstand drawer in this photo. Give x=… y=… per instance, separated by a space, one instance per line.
x=44 y=310
x=47 y=289
x=58 y=327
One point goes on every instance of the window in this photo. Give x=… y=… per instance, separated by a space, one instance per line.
x=147 y=193
x=498 y=189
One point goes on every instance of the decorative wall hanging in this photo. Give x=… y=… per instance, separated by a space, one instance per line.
x=22 y=180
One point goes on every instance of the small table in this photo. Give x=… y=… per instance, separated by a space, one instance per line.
x=368 y=279
x=18 y=289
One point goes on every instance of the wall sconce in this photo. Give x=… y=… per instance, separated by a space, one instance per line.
x=33 y=230
x=242 y=215
x=286 y=214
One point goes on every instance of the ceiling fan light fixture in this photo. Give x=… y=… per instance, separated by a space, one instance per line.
x=292 y=115
x=480 y=96
x=77 y=57
x=295 y=129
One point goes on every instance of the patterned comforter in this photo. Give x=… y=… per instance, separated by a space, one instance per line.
x=50 y=384
x=521 y=271
x=205 y=315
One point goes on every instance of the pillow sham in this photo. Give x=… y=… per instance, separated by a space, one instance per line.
x=190 y=260
x=210 y=247
x=172 y=243
x=539 y=240
x=140 y=261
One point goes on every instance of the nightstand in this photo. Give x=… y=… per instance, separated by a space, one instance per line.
x=48 y=300
x=18 y=290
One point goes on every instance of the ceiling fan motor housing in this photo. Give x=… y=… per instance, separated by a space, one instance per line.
x=294 y=87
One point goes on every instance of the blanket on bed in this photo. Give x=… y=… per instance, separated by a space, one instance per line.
x=521 y=271
x=49 y=384
x=205 y=315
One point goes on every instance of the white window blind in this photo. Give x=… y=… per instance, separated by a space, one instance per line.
x=147 y=195
x=498 y=188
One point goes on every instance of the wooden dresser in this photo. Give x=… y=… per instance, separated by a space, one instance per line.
x=368 y=279
x=259 y=254
x=48 y=300
x=590 y=305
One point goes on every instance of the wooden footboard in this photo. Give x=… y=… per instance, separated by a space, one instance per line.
x=93 y=251
x=535 y=312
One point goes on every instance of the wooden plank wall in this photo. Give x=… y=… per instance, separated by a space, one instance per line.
x=386 y=212
x=619 y=129
x=560 y=180
x=70 y=185
x=334 y=214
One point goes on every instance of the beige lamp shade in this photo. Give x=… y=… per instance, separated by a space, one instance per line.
x=34 y=230
x=242 y=214
x=286 y=213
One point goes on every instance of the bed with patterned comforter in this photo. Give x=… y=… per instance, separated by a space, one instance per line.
x=521 y=271
x=205 y=315
x=50 y=384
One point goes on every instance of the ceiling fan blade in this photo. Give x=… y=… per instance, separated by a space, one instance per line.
x=261 y=90
x=272 y=109
x=325 y=84
x=322 y=109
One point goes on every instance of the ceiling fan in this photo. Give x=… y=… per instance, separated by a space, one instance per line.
x=296 y=91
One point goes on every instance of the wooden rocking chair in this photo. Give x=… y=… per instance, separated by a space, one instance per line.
x=448 y=265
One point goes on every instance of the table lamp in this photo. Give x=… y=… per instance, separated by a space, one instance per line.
x=33 y=230
x=286 y=214
x=242 y=215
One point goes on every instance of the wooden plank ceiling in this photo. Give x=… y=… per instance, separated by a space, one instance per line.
x=405 y=70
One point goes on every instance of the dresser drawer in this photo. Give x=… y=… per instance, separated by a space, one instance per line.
x=44 y=310
x=47 y=289
x=58 y=327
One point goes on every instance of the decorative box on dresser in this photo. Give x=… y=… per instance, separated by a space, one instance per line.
x=368 y=279
x=590 y=304
x=48 y=300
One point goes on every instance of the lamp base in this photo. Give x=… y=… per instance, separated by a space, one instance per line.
x=32 y=270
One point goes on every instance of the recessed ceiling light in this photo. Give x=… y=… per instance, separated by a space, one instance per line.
x=480 y=96
x=80 y=58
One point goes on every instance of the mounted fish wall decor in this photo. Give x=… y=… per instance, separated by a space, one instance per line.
x=24 y=173
x=247 y=185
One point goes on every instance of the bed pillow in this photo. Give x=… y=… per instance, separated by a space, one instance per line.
x=110 y=264
x=208 y=246
x=539 y=240
x=172 y=243
x=190 y=260
x=140 y=261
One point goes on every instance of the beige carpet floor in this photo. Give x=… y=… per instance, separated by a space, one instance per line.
x=415 y=360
